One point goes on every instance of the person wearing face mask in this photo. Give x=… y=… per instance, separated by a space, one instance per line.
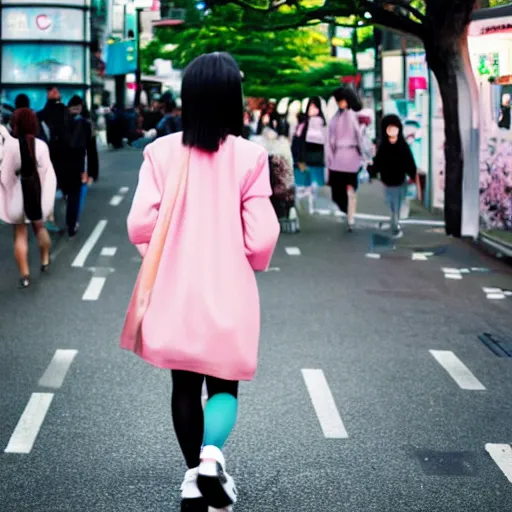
x=308 y=151
x=75 y=182
x=394 y=162
x=343 y=154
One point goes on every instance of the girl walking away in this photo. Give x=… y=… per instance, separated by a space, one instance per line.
x=394 y=162
x=27 y=188
x=344 y=151
x=308 y=151
x=202 y=220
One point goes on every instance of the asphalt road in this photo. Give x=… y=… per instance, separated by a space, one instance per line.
x=402 y=433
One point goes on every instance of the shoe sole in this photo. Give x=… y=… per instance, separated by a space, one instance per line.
x=211 y=481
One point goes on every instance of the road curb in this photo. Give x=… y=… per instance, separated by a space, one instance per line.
x=495 y=244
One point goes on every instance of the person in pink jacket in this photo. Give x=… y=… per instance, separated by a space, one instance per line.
x=27 y=188
x=203 y=320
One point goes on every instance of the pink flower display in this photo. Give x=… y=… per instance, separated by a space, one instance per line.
x=496 y=183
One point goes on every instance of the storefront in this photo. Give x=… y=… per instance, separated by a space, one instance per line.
x=490 y=45
x=44 y=43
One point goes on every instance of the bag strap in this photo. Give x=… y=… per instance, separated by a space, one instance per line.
x=170 y=197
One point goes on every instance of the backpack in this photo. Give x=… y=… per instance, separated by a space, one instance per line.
x=54 y=127
x=78 y=136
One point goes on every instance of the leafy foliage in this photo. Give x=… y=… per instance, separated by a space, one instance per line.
x=293 y=62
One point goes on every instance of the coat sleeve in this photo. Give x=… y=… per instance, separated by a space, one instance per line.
x=145 y=206
x=329 y=150
x=47 y=177
x=410 y=164
x=260 y=224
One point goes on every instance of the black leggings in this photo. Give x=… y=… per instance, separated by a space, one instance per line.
x=187 y=410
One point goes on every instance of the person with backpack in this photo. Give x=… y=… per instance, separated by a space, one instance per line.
x=76 y=177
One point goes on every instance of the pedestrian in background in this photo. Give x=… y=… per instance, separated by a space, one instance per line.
x=77 y=151
x=21 y=101
x=202 y=219
x=309 y=152
x=394 y=162
x=27 y=188
x=343 y=155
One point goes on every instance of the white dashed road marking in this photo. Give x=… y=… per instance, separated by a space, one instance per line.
x=108 y=251
x=373 y=256
x=116 y=200
x=79 y=261
x=27 y=429
x=324 y=404
x=293 y=251
x=457 y=370
x=93 y=291
x=456 y=277
x=56 y=372
x=502 y=455
x=124 y=190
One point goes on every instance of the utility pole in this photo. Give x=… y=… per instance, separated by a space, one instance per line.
x=138 y=71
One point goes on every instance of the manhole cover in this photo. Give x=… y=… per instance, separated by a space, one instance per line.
x=498 y=345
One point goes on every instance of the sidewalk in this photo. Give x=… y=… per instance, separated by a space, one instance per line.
x=371 y=206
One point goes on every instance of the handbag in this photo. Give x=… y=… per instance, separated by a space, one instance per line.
x=131 y=337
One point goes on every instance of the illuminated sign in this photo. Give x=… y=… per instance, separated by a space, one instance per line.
x=42 y=63
x=40 y=23
x=490 y=26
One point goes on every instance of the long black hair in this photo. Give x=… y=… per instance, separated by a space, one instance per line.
x=212 y=101
x=25 y=128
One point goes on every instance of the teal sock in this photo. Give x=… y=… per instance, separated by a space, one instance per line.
x=219 y=419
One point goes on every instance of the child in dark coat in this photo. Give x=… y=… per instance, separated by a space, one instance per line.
x=394 y=162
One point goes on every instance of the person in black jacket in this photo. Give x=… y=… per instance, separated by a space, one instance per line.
x=394 y=162
x=78 y=147
x=53 y=120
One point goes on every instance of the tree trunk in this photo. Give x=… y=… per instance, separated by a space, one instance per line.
x=456 y=84
x=355 y=47
x=443 y=66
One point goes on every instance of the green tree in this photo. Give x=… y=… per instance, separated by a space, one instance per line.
x=441 y=26
x=293 y=62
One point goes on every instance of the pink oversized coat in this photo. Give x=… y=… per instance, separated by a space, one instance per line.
x=204 y=313
x=11 y=196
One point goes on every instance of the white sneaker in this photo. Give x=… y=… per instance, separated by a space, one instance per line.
x=189 y=489
x=214 y=483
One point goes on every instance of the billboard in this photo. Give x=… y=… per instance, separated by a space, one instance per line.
x=121 y=57
x=40 y=23
x=43 y=63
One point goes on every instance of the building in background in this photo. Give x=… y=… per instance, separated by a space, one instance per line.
x=490 y=46
x=42 y=45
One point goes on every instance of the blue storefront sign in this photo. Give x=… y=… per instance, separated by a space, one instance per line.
x=121 y=57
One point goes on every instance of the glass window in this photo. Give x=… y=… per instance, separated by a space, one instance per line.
x=42 y=23
x=42 y=63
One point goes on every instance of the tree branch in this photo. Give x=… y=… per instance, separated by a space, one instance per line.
x=390 y=19
x=404 y=4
